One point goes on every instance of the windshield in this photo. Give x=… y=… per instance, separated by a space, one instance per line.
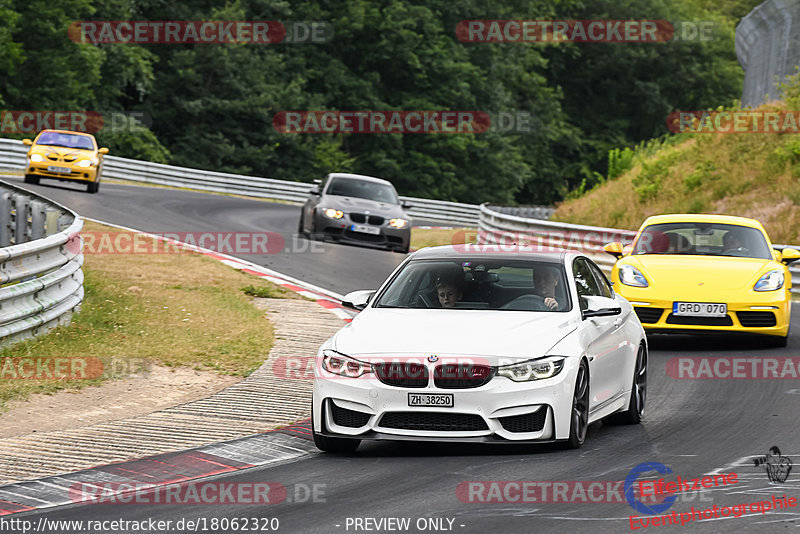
x=66 y=140
x=704 y=239
x=349 y=187
x=478 y=284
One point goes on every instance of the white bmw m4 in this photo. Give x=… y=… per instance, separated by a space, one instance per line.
x=477 y=343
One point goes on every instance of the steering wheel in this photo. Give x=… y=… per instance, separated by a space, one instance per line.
x=530 y=301
x=735 y=251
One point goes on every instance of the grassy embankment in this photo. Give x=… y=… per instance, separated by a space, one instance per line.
x=176 y=309
x=747 y=174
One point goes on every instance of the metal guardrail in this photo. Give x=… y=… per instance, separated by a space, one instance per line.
x=768 y=48
x=41 y=282
x=12 y=158
x=501 y=225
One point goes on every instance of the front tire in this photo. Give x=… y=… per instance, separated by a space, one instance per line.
x=579 y=415
x=31 y=179
x=93 y=187
x=635 y=412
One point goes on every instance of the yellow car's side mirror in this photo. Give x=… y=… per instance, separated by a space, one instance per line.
x=27 y=142
x=103 y=150
x=789 y=255
x=615 y=249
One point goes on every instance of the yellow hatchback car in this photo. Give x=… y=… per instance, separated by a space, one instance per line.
x=65 y=155
x=692 y=273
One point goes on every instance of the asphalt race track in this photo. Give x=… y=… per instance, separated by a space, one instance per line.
x=339 y=268
x=694 y=426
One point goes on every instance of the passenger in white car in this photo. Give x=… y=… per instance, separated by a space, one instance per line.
x=449 y=292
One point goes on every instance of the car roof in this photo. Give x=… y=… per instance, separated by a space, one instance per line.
x=501 y=252
x=66 y=132
x=360 y=177
x=702 y=218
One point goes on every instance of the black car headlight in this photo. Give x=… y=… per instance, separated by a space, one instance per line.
x=342 y=365
x=538 y=369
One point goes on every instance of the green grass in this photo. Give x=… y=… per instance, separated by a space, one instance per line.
x=177 y=310
x=750 y=175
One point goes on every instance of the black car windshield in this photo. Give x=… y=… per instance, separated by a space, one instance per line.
x=350 y=187
x=478 y=284
x=66 y=140
x=704 y=239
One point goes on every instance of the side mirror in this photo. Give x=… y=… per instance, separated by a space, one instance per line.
x=314 y=190
x=615 y=249
x=789 y=255
x=103 y=150
x=405 y=205
x=599 y=307
x=358 y=300
x=27 y=142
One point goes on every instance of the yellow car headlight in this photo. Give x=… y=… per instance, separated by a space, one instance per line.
x=36 y=158
x=333 y=213
x=398 y=223
x=631 y=276
x=85 y=163
x=770 y=281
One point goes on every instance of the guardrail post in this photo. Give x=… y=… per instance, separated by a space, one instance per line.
x=5 y=219
x=51 y=225
x=37 y=220
x=21 y=219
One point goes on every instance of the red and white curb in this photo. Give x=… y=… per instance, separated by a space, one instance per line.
x=120 y=482
x=329 y=300
x=278 y=446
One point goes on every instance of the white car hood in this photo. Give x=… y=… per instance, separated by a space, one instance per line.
x=493 y=334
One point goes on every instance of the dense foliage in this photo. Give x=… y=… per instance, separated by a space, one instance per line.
x=211 y=105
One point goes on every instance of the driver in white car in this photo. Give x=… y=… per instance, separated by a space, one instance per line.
x=545 y=281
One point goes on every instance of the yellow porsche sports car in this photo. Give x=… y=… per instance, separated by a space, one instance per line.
x=65 y=155
x=690 y=273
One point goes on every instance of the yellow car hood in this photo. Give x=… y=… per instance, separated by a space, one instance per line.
x=61 y=151
x=702 y=273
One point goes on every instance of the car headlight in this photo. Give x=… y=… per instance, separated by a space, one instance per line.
x=342 y=365
x=36 y=158
x=333 y=213
x=770 y=281
x=631 y=276
x=533 y=369
x=85 y=163
x=398 y=223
